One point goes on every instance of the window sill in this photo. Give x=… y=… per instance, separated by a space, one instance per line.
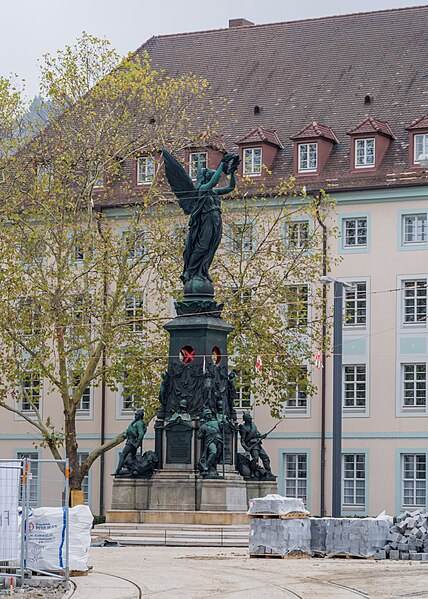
x=84 y=415
x=417 y=411
x=290 y=413
x=355 y=413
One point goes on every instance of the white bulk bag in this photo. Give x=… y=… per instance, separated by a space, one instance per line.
x=47 y=538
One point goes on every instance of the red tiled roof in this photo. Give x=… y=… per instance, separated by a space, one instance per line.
x=212 y=140
x=293 y=83
x=372 y=125
x=259 y=135
x=420 y=123
x=315 y=130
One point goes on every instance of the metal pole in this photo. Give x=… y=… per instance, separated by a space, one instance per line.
x=222 y=426
x=336 y=507
x=67 y=527
x=26 y=512
x=22 y=482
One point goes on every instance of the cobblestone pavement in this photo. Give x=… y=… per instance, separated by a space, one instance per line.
x=211 y=573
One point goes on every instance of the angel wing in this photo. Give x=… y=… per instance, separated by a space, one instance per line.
x=180 y=182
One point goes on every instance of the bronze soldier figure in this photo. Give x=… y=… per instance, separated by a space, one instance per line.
x=134 y=435
x=251 y=441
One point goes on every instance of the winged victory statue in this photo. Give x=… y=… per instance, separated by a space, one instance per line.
x=202 y=202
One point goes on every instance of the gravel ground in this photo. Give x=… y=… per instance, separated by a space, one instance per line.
x=44 y=592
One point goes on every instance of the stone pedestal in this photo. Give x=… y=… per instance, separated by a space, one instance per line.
x=197 y=378
x=172 y=491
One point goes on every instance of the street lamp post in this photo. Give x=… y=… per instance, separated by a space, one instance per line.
x=336 y=502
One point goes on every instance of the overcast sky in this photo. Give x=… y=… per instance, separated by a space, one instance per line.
x=31 y=28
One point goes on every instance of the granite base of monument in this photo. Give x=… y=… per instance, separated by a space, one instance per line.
x=170 y=493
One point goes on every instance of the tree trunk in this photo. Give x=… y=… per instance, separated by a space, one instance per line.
x=71 y=451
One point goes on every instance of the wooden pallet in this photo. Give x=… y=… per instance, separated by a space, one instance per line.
x=277 y=556
x=348 y=556
x=290 y=516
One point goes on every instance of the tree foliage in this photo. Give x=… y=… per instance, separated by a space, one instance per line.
x=74 y=283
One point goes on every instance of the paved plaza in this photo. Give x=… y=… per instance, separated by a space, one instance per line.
x=213 y=573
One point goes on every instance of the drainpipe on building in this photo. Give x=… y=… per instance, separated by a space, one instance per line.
x=323 y=373
x=103 y=391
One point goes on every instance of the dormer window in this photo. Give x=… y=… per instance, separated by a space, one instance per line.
x=252 y=161
x=370 y=140
x=420 y=147
x=364 y=152
x=312 y=147
x=257 y=151
x=418 y=142
x=308 y=157
x=193 y=163
x=145 y=170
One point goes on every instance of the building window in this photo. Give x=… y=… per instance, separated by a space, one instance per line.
x=79 y=253
x=354 y=480
x=296 y=475
x=97 y=176
x=31 y=317
x=414 y=301
x=243 y=394
x=420 y=147
x=44 y=176
x=252 y=161
x=134 y=243
x=364 y=153
x=31 y=391
x=297 y=305
x=414 y=479
x=355 y=232
x=128 y=400
x=414 y=387
x=81 y=457
x=134 y=310
x=354 y=387
x=356 y=305
x=34 y=478
x=145 y=170
x=308 y=157
x=243 y=239
x=193 y=163
x=84 y=405
x=297 y=234
x=296 y=392
x=414 y=228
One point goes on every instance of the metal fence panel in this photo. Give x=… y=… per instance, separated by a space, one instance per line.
x=10 y=481
x=25 y=484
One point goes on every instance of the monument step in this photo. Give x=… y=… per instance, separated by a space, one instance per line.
x=191 y=535
x=115 y=526
x=177 y=518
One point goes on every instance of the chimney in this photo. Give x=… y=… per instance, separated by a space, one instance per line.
x=239 y=23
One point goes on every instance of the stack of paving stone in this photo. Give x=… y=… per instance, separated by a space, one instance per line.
x=279 y=526
x=353 y=537
x=407 y=538
x=318 y=536
x=278 y=536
